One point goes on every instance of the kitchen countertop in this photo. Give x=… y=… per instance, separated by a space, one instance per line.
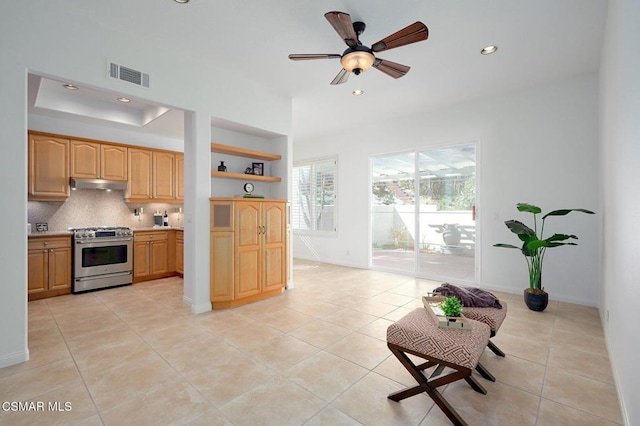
x=159 y=228
x=50 y=234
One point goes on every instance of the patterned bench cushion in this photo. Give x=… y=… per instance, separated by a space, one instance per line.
x=418 y=331
x=493 y=317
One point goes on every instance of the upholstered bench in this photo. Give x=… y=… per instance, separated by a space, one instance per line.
x=418 y=334
x=493 y=317
x=480 y=305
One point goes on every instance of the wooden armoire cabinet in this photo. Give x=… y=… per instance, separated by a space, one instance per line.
x=248 y=250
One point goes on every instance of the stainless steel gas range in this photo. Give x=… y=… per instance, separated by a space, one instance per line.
x=103 y=257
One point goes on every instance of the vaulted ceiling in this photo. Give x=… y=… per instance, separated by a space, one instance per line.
x=538 y=42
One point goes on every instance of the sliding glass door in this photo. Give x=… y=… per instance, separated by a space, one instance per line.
x=393 y=212
x=422 y=213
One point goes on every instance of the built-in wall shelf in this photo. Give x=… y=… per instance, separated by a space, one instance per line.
x=244 y=176
x=242 y=152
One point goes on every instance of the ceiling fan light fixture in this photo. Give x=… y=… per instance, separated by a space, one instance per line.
x=489 y=50
x=357 y=61
x=124 y=100
x=70 y=86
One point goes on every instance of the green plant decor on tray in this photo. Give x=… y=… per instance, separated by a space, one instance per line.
x=534 y=247
x=451 y=307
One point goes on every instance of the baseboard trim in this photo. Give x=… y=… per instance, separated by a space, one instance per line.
x=14 y=358
x=201 y=308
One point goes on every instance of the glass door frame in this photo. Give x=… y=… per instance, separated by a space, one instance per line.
x=478 y=234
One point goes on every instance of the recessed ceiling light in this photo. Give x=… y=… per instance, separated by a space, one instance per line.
x=358 y=92
x=182 y=1
x=489 y=50
x=124 y=100
x=70 y=86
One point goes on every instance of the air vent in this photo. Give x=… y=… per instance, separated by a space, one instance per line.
x=128 y=74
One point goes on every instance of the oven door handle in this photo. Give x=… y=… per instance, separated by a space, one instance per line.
x=98 y=277
x=115 y=240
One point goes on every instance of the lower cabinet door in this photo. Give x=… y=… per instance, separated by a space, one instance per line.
x=247 y=277
x=59 y=268
x=141 y=258
x=38 y=261
x=222 y=266
x=159 y=257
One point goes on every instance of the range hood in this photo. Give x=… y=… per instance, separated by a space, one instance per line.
x=116 y=185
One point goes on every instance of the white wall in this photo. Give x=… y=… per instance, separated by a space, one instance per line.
x=620 y=201
x=537 y=146
x=47 y=37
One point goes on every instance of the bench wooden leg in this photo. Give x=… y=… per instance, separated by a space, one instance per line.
x=484 y=372
x=430 y=385
x=496 y=350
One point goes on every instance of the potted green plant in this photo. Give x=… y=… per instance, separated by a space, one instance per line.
x=451 y=307
x=534 y=247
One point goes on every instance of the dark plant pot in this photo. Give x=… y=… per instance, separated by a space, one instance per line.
x=536 y=301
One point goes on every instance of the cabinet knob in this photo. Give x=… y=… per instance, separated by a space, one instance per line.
x=46 y=243
x=51 y=250
x=44 y=251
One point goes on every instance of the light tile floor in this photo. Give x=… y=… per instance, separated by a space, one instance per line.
x=315 y=355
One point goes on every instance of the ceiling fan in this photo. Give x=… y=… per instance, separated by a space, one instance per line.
x=358 y=58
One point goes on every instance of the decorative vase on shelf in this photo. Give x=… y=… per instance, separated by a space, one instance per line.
x=222 y=167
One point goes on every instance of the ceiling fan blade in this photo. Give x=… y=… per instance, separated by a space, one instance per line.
x=411 y=34
x=342 y=77
x=341 y=22
x=304 y=57
x=390 y=68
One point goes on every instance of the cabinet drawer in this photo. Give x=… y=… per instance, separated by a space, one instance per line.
x=180 y=236
x=150 y=236
x=49 y=243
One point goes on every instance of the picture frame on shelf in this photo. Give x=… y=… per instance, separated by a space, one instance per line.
x=258 y=169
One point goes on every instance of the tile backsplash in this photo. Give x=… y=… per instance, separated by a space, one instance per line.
x=90 y=207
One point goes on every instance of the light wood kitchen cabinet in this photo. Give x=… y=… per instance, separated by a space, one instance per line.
x=153 y=176
x=180 y=252
x=113 y=162
x=140 y=169
x=221 y=270
x=180 y=177
x=248 y=250
x=92 y=160
x=48 y=168
x=49 y=267
x=163 y=177
x=150 y=255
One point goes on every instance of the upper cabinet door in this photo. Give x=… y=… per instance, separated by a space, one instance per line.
x=48 y=168
x=247 y=224
x=113 y=162
x=180 y=176
x=163 y=175
x=85 y=160
x=140 y=162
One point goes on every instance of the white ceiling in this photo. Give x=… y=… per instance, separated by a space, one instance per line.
x=539 y=41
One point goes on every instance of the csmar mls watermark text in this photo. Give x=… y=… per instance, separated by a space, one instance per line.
x=36 y=406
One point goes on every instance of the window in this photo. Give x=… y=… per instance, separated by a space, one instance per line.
x=314 y=196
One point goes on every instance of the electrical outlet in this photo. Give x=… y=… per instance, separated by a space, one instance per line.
x=42 y=227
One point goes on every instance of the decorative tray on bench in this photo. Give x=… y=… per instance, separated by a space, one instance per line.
x=432 y=304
